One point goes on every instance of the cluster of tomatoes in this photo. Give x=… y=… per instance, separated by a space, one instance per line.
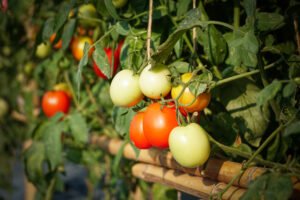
x=157 y=126
x=59 y=99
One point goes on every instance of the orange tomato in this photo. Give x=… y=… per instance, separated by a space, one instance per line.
x=187 y=97
x=56 y=45
x=78 y=46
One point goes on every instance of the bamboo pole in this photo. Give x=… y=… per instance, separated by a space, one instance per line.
x=220 y=170
x=198 y=186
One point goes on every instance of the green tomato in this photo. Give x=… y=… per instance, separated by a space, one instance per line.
x=43 y=50
x=189 y=145
x=3 y=108
x=125 y=90
x=28 y=68
x=119 y=3
x=155 y=82
x=87 y=11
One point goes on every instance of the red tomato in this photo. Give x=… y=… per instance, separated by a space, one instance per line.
x=158 y=124
x=116 y=63
x=56 y=45
x=136 y=132
x=56 y=101
x=78 y=46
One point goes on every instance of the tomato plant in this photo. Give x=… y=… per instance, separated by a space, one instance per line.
x=78 y=46
x=53 y=102
x=136 y=132
x=158 y=124
x=189 y=145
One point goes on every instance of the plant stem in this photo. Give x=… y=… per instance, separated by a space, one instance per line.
x=67 y=79
x=236 y=14
x=50 y=190
x=149 y=29
x=239 y=76
x=245 y=166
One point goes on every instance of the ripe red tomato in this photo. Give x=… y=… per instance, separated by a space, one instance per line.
x=56 y=101
x=158 y=124
x=108 y=52
x=136 y=132
x=78 y=46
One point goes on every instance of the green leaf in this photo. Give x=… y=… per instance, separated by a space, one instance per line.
x=269 y=21
x=118 y=157
x=273 y=149
x=122 y=119
x=83 y=62
x=55 y=118
x=239 y=98
x=111 y=9
x=62 y=15
x=136 y=150
x=289 y=89
x=123 y=28
x=201 y=83
x=293 y=128
x=243 y=48
x=48 y=29
x=268 y=93
x=52 y=139
x=181 y=67
x=101 y=60
x=273 y=186
x=78 y=127
x=214 y=44
x=182 y=7
x=162 y=192
x=68 y=33
x=250 y=6
x=178 y=48
x=164 y=50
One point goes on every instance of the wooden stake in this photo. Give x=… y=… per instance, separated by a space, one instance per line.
x=198 y=186
x=149 y=29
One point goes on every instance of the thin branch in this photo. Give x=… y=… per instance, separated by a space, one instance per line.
x=297 y=32
x=149 y=29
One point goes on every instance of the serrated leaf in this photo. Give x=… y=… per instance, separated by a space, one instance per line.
x=269 y=21
x=78 y=127
x=62 y=15
x=293 y=128
x=101 y=60
x=67 y=33
x=181 y=67
x=123 y=28
x=214 y=44
x=239 y=98
x=268 y=93
x=289 y=89
x=51 y=137
x=201 y=82
x=83 y=62
x=273 y=186
x=111 y=9
x=178 y=48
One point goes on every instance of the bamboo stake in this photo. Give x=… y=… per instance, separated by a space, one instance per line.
x=220 y=170
x=198 y=186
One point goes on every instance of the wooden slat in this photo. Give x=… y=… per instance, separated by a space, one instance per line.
x=195 y=185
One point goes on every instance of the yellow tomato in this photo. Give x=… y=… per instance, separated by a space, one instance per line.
x=187 y=97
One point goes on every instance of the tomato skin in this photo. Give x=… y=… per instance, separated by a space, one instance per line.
x=136 y=132
x=158 y=124
x=56 y=101
x=43 y=50
x=187 y=97
x=189 y=145
x=78 y=46
x=125 y=90
x=56 y=45
x=87 y=10
x=108 y=52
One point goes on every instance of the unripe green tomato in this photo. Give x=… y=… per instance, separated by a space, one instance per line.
x=119 y=3
x=43 y=50
x=89 y=11
x=189 y=145
x=156 y=82
x=3 y=108
x=297 y=80
x=65 y=63
x=125 y=90
x=28 y=68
